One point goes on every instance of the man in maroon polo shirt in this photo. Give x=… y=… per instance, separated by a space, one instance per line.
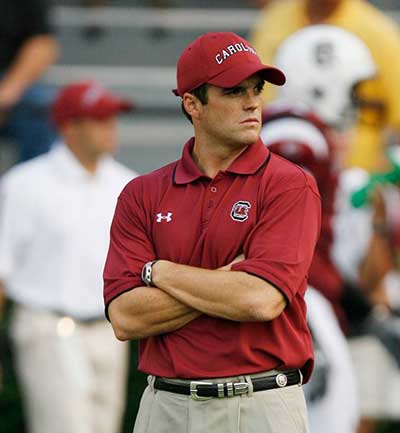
x=208 y=261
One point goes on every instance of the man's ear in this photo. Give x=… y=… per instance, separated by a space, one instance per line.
x=192 y=105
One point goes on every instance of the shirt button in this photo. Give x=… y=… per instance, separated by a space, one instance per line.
x=213 y=189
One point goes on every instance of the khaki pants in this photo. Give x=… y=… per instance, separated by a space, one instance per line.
x=72 y=376
x=273 y=411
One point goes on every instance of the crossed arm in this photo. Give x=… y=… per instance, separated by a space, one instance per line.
x=183 y=293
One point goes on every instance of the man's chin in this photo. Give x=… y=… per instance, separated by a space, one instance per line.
x=240 y=140
x=250 y=138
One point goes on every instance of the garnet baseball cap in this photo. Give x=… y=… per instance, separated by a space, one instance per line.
x=223 y=59
x=86 y=99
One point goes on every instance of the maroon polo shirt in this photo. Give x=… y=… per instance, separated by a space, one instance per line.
x=262 y=206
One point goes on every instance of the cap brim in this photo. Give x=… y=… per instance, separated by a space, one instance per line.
x=235 y=75
x=107 y=108
x=238 y=73
x=124 y=106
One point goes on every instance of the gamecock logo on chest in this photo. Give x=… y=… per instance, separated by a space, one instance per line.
x=240 y=211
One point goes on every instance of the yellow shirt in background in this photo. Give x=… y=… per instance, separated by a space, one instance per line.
x=382 y=36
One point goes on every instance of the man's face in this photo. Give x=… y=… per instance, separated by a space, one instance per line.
x=232 y=116
x=96 y=136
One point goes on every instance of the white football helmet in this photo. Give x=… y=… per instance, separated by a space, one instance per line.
x=323 y=64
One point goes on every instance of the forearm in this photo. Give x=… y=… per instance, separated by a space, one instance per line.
x=230 y=295
x=377 y=262
x=379 y=258
x=33 y=60
x=147 y=311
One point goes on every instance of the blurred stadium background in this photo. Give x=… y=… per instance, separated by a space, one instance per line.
x=132 y=47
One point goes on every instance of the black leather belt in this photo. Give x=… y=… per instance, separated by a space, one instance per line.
x=203 y=390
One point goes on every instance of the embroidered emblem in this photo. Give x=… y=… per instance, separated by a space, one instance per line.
x=240 y=211
x=167 y=217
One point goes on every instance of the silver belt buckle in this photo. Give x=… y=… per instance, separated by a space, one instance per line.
x=193 y=390
x=241 y=388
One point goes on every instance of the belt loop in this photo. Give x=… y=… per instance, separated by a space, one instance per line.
x=250 y=383
x=150 y=381
x=301 y=377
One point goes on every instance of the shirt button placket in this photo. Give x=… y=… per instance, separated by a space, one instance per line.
x=213 y=190
x=210 y=204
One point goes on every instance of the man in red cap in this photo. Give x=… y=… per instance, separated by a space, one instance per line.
x=208 y=261
x=54 y=230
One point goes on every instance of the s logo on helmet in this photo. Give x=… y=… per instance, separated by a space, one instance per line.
x=240 y=211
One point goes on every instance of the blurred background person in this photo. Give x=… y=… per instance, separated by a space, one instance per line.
x=380 y=112
x=56 y=211
x=28 y=48
x=367 y=252
x=309 y=124
x=305 y=125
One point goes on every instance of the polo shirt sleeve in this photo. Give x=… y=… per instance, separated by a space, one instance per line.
x=130 y=246
x=281 y=246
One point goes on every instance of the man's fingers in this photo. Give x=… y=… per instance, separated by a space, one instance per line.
x=237 y=259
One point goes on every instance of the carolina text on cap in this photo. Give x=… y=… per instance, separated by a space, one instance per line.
x=233 y=49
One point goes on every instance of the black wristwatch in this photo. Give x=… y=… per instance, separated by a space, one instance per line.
x=146 y=273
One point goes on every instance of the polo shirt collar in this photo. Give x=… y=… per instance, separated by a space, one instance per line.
x=247 y=163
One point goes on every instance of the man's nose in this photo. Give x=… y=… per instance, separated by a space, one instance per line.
x=252 y=100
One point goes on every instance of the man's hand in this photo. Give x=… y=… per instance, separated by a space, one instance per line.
x=228 y=267
x=379 y=258
x=9 y=96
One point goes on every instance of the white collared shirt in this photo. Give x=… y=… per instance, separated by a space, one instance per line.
x=54 y=231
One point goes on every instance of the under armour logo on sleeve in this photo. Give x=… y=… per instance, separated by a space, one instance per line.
x=167 y=217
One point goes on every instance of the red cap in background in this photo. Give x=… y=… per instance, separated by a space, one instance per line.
x=86 y=99
x=223 y=59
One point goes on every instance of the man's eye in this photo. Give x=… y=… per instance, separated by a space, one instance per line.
x=234 y=91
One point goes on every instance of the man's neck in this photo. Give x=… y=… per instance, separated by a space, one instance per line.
x=87 y=160
x=213 y=159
